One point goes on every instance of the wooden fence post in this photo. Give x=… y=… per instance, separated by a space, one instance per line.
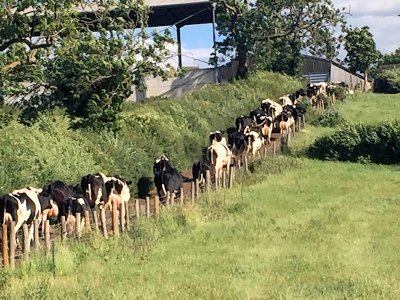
x=156 y=205
x=36 y=234
x=181 y=196
x=122 y=217
x=148 y=207
x=137 y=207
x=78 y=225
x=63 y=229
x=26 y=241
x=87 y=220
x=208 y=181
x=47 y=235
x=103 y=221
x=274 y=148
x=167 y=199
x=197 y=188
x=114 y=219
x=231 y=174
x=128 y=222
x=192 y=189
x=4 y=248
x=224 y=172
x=12 y=245
x=96 y=220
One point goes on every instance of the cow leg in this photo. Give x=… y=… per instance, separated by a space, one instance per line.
x=31 y=232
x=44 y=219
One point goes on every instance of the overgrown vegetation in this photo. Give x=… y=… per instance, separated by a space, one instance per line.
x=360 y=143
x=387 y=81
x=178 y=128
x=329 y=118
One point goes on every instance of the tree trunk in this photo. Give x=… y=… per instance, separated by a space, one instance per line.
x=242 y=64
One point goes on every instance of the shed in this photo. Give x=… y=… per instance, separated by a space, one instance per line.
x=317 y=69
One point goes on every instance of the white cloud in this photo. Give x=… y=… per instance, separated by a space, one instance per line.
x=380 y=16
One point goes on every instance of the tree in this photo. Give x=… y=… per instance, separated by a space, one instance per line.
x=86 y=65
x=361 y=49
x=392 y=58
x=249 y=28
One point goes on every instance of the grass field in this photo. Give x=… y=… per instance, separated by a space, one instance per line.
x=316 y=230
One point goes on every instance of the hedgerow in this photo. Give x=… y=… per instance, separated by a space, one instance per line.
x=329 y=118
x=360 y=143
x=179 y=128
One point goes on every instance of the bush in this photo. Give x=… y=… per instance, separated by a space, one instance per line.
x=325 y=99
x=360 y=143
x=176 y=127
x=329 y=118
x=340 y=93
x=388 y=82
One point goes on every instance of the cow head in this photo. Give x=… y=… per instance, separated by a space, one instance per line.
x=161 y=164
x=216 y=136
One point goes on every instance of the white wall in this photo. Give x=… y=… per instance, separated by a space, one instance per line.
x=174 y=87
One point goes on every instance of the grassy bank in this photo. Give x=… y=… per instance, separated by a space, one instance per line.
x=321 y=230
x=179 y=128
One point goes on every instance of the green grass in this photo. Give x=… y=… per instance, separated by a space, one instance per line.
x=370 y=108
x=321 y=231
x=296 y=229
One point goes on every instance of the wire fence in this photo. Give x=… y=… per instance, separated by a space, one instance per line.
x=112 y=223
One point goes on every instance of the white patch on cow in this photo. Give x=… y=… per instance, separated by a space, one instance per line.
x=262 y=117
x=80 y=201
x=163 y=188
x=158 y=160
x=270 y=118
x=99 y=194
x=89 y=192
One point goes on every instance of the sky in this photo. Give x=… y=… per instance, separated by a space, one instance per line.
x=381 y=17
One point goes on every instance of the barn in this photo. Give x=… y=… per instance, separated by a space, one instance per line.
x=317 y=69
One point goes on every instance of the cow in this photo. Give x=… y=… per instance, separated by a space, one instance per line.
x=94 y=189
x=21 y=206
x=74 y=205
x=224 y=155
x=166 y=178
x=243 y=123
x=292 y=99
x=216 y=135
x=273 y=108
x=199 y=171
x=254 y=143
x=286 y=121
x=239 y=145
x=53 y=198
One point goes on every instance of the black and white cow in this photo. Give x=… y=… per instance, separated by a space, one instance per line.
x=239 y=145
x=166 y=178
x=243 y=123
x=199 y=170
x=21 y=206
x=216 y=135
x=94 y=189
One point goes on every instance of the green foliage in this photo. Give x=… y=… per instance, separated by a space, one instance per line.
x=89 y=75
x=391 y=59
x=5 y=284
x=176 y=127
x=262 y=29
x=36 y=291
x=387 y=81
x=361 y=49
x=359 y=143
x=340 y=93
x=324 y=98
x=329 y=118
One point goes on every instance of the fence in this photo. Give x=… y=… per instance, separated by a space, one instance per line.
x=148 y=207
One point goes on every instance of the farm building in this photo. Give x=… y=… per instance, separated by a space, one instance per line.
x=316 y=69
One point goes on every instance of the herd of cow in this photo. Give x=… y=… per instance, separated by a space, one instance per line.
x=250 y=134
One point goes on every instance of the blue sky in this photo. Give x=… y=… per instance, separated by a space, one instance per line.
x=382 y=20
